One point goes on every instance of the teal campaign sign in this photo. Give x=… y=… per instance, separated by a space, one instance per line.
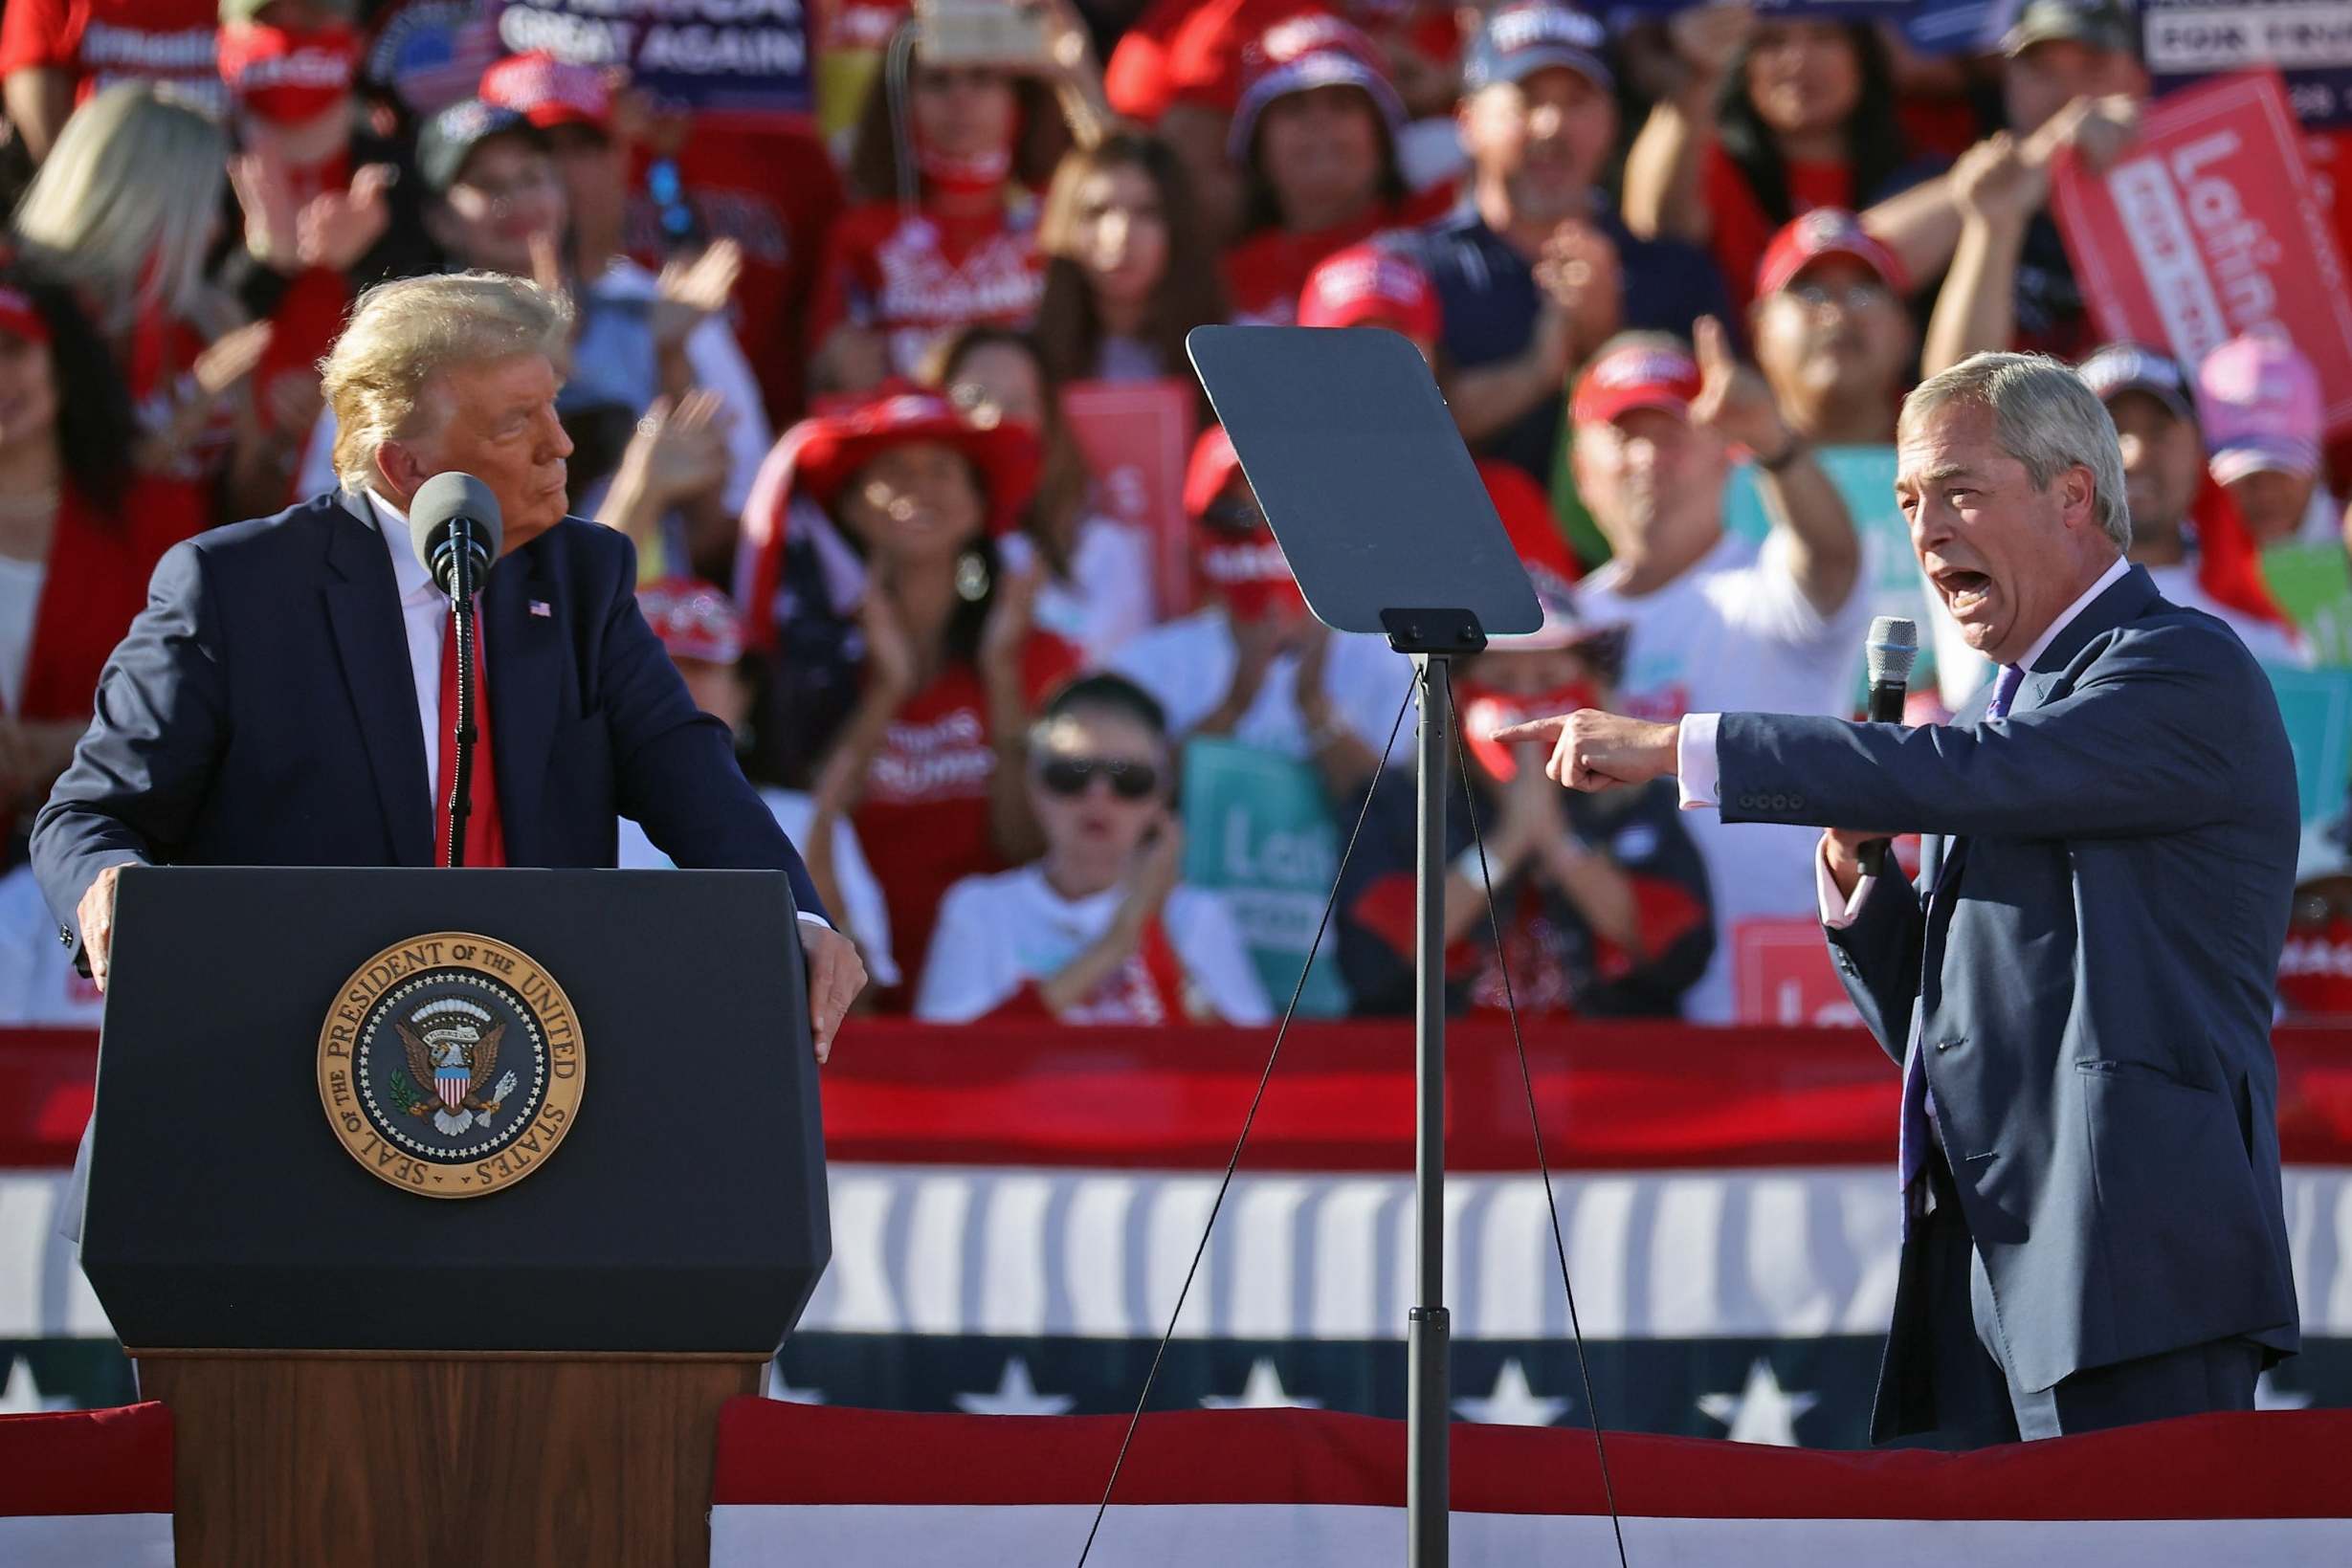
x=1258 y=831
x=2316 y=705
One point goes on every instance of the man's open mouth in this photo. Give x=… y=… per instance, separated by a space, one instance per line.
x=1964 y=591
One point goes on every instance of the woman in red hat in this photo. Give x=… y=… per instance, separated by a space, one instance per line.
x=81 y=532
x=1316 y=137
x=900 y=653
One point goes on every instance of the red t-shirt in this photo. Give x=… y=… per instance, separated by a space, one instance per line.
x=100 y=42
x=923 y=819
x=1264 y=272
x=1743 y=232
x=913 y=275
x=774 y=191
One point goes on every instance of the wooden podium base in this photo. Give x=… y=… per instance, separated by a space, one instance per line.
x=377 y=1460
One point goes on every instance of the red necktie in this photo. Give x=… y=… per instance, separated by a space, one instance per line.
x=485 y=840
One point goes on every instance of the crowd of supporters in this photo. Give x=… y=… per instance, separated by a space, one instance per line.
x=893 y=401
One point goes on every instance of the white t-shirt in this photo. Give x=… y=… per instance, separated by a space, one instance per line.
x=1188 y=665
x=38 y=985
x=2265 y=640
x=999 y=933
x=1735 y=634
x=867 y=918
x=1106 y=600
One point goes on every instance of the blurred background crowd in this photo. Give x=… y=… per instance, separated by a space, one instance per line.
x=884 y=375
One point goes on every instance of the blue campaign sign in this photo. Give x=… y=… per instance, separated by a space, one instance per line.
x=740 y=57
x=2310 y=41
x=2317 y=707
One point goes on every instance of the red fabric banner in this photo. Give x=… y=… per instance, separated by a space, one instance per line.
x=1613 y=1096
x=86 y=1462
x=2277 y=1465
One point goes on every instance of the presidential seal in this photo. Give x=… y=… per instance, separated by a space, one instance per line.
x=450 y=1065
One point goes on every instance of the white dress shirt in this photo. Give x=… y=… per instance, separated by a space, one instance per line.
x=424 y=614
x=1696 y=758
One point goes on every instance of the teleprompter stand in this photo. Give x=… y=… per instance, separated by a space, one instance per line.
x=1386 y=525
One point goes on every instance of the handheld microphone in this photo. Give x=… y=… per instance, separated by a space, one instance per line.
x=455 y=528
x=1894 y=646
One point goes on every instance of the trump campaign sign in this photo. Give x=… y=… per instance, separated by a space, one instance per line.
x=2208 y=227
x=723 y=56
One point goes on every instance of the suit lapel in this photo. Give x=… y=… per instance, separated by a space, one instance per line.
x=371 y=643
x=525 y=635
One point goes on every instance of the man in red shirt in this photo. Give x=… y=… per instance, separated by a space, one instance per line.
x=54 y=54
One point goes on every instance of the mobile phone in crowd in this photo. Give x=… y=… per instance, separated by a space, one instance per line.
x=980 y=32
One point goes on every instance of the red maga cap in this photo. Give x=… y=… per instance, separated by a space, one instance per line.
x=1826 y=230
x=1637 y=376
x=548 y=93
x=1371 y=284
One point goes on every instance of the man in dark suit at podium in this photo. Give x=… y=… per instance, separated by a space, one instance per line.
x=285 y=698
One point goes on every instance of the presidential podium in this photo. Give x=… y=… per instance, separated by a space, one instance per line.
x=444 y=1208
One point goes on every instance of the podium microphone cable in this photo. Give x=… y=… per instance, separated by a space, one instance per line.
x=1259 y=1097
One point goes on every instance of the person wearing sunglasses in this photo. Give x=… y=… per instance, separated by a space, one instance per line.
x=1098 y=929
x=1602 y=900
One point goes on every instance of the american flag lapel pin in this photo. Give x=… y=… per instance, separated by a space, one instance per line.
x=541 y=607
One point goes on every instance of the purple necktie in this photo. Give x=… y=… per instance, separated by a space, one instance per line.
x=1911 y=1141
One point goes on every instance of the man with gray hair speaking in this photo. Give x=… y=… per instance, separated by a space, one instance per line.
x=282 y=699
x=2079 y=988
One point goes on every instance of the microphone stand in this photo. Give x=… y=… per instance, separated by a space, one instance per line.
x=461 y=548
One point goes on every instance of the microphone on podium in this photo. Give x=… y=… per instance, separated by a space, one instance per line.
x=455 y=528
x=1893 y=649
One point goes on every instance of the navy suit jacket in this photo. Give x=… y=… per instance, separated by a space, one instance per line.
x=261 y=711
x=2093 y=985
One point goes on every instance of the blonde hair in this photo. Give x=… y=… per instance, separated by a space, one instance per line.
x=402 y=334
x=124 y=207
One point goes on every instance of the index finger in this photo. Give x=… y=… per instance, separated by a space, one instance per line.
x=1707 y=338
x=1534 y=729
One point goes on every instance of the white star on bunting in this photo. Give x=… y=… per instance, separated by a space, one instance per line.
x=1261 y=1391
x=1762 y=1413
x=1512 y=1402
x=1016 y=1395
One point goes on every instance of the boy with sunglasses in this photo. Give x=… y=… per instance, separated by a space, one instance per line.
x=1098 y=930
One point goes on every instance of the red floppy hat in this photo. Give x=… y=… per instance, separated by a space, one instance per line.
x=817 y=457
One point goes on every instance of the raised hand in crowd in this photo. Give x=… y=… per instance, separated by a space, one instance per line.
x=692 y=291
x=1735 y=404
x=1257 y=642
x=1072 y=70
x=1664 y=192
x=1581 y=302
x=224 y=365
x=1158 y=865
x=678 y=452
x=1998 y=186
x=336 y=227
x=2096 y=130
x=1341 y=755
x=1001 y=656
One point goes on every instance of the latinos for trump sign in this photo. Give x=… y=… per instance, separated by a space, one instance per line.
x=738 y=56
x=2310 y=41
x=2210 y=228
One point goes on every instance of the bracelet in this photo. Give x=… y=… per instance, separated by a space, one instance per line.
x=1787 y=455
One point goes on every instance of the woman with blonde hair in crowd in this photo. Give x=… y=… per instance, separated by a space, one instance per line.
x=1097 y=590
x=123 y=212
x=1128 y=272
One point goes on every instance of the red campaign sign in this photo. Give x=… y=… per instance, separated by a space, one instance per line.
x=1137 y=437
x=1780 y=974
x=2211 y=227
